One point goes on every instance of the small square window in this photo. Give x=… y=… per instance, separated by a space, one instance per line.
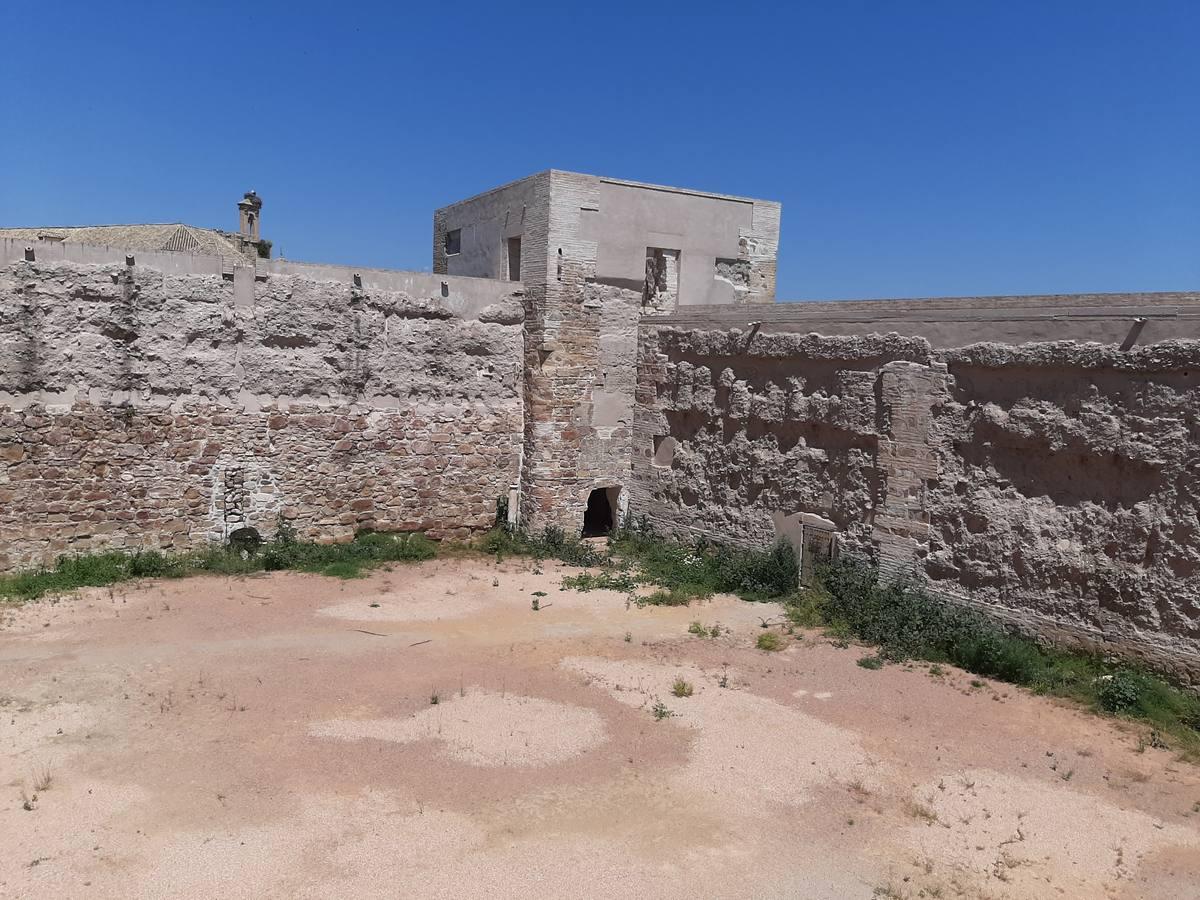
x=453 y=242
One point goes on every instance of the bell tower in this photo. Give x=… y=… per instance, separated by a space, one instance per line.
x=249 y=210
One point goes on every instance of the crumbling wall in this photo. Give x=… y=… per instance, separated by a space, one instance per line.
x=1069 y=491
x=1056 y=486
x=143 y=408
x=757 y=424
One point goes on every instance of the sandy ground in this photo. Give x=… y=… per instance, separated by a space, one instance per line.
x=277 y=736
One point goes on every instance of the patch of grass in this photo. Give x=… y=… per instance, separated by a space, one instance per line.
x=681 y=596
x=699 y=571
x=42 y=779
x=871 y=662
x=906 y=622
x=351 y=559
x=603 y=580
x=806 y=609
x=550 y=543
x=343 y=568
x=659 y=711
x=681 y=574
x=682 y=688
x=921 y=811
x=770 y=641
x=705 y=631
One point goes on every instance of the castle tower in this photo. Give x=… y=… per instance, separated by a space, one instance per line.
x=595 y=255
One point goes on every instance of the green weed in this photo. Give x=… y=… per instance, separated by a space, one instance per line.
x=770 y=641
x=603 y=580
x=346 y=560
x=906 y=622
x=551 y=543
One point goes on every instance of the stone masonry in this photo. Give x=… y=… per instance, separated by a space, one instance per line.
x=142 y=409
x=1034 y=457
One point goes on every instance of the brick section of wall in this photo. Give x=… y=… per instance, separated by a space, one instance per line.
x=581 y=371
x=139 y=408
x=1054 y=486
x=759 y=247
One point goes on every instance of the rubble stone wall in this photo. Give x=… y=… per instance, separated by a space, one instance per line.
x=141 y=408
x=1055 y=485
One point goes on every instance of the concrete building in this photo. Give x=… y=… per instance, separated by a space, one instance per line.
x=677 y=247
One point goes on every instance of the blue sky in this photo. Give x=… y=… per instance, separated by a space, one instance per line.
x=919 y=148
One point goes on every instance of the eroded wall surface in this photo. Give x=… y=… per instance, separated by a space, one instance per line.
x=1056 y=485
x=143 y=408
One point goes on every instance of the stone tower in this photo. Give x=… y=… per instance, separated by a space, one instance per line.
x=595 y=255
x=249 y=210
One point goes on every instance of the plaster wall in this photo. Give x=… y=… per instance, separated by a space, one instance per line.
x=1052 y=484
x=486 y=222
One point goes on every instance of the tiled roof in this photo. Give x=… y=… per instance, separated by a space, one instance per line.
x=178 y=237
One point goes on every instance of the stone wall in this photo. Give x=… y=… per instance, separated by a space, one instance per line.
x=1056 y=486
x=150 y=408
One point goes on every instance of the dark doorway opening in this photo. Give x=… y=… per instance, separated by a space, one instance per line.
x=598 y=517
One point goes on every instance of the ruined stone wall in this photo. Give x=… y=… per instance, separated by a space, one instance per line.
x=143 y=408
x=1056 y=486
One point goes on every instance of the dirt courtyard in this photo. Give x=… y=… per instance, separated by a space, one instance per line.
x=425 y=733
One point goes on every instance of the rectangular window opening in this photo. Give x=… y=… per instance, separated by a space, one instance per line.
x=514 y=259
x=660 y=291
x=453 y=242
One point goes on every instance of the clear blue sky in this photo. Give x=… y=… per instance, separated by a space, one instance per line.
x=919 y=148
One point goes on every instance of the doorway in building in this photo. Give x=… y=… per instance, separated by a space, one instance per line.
x=598 y=518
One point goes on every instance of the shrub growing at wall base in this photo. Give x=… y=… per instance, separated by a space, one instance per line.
x=706 y=568
x=550 y=543
x=348 y=560
x=367 y=549
x=905 y=621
